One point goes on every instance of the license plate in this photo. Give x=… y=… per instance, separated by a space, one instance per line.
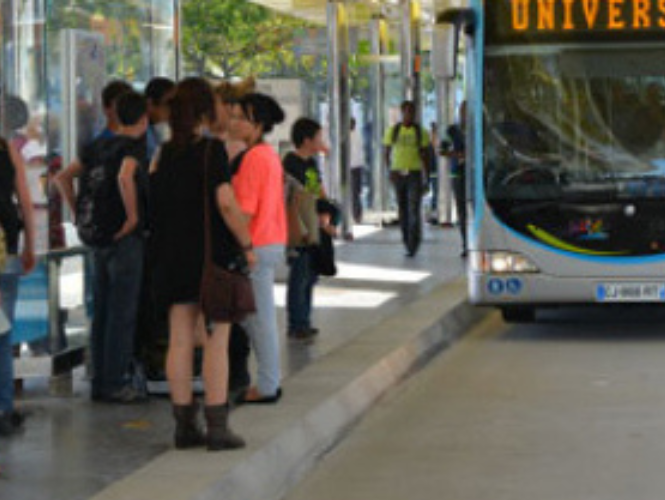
x=630 y=292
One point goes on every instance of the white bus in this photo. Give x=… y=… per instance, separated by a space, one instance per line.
x=565 y=151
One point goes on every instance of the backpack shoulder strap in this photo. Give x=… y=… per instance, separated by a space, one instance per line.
x=396 y=130
x=419 y=135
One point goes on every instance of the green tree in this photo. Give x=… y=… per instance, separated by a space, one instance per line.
x=119 y=21
x=226 y=38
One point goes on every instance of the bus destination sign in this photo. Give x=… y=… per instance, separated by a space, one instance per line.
x=573 y=20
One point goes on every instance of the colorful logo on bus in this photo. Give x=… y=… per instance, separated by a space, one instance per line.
x=588 y=229
x=551 y=240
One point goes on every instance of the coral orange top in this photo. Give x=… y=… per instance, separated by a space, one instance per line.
x=259 y=189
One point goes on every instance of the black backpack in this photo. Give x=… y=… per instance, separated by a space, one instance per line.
x=100 y=212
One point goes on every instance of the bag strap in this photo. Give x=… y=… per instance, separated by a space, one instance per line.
x=207 y=251
x=396 y=130
x=419 y=133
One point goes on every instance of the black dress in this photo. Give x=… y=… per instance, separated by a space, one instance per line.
x=10 y=220
x=177 y=218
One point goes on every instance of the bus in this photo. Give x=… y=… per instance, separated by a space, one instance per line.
x=565 y=151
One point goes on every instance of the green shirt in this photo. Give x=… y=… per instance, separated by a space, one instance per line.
x=405 y=154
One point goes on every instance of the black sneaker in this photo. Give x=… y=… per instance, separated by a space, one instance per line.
x=303 y=335
x=10 y=423
x=17 y=418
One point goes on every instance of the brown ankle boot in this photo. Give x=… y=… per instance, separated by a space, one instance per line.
x=188 y=433
x=220 y=437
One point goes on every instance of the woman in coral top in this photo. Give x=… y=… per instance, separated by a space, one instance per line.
x=259 y=189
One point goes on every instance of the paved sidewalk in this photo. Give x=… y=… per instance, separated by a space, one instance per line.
x=379 y=318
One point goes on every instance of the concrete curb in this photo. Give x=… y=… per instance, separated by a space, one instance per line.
x=321 y=403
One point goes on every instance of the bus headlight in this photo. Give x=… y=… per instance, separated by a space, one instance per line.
x=499 y=262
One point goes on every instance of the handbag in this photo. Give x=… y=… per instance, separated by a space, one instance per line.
x=323 y=256
x=226 y=294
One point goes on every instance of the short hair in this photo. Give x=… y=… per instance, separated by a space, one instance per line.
x=158 y=88
x=408 y=104
x=130 y=107
x=262 y=110
x=303 y=129
x=113 y=90
x=16 y=112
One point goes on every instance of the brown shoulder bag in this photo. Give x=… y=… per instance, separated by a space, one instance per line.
x=226 y=294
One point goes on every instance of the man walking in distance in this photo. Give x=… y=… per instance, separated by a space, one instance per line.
x=406 y=159
x=457 y=155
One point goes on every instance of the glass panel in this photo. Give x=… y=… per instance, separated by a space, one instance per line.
x=569 y=122
x=138 y=41
x=23 y=103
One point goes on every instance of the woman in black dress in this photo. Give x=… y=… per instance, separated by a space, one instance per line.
x=178 y=174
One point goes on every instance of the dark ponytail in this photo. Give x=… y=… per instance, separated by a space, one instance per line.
x=262 y=110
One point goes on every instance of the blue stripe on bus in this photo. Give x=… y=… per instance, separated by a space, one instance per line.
x=477 y=106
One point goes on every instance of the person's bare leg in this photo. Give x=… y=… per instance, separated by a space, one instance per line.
x=180 y=356
x=216 y=364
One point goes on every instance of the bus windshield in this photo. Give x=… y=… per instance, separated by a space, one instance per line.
x=574 y=121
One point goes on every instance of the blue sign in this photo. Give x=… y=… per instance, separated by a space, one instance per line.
x=601 y=293
x=495 y=286
x=514 y=286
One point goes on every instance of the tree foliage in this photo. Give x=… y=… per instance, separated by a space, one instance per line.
x=119 y=21
x=226 y=38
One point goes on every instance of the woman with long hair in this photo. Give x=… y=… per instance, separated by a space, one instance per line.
x=192 y=169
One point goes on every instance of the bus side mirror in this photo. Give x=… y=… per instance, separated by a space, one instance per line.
x=446 y=37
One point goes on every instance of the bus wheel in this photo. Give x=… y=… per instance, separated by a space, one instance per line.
x=518 y=314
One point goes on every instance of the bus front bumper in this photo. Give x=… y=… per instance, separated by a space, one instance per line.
x=541 y=289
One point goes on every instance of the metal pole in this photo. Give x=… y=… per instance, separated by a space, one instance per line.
x=379 y=48
x=177 y=22
x=410 y=48
x=445 y=115
x=339 y=102
x=443 y=67
x=406 y=51
x=7 y=9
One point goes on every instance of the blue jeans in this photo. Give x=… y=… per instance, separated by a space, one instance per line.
x=8 y=293
x=117 y=284
x=302 y=279
x=262 y=325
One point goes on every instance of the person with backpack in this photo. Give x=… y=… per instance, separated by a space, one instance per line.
x=304 y=188
x=406 y=146
x=110 y=217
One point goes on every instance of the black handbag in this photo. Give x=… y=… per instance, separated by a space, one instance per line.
x=323 y=255
x=226 y=295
